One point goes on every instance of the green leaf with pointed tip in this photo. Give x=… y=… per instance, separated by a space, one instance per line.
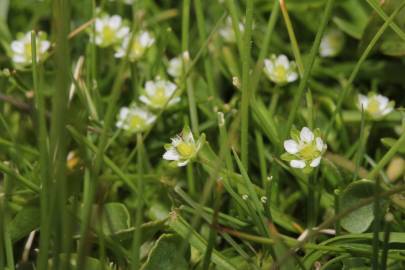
x=390 y=142
x=165 y=255
x=360 y=219
x=24 y=222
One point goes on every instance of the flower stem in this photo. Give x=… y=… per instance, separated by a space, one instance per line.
x=244 y=108
x=43 y=158
x=136 y=246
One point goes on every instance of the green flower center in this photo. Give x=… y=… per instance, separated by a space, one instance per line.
x=109 y=35
x=373 y=106
x=280 y=72
x=137 y=49
x=309 y=152
x=186 y=150
x=28 y=50
x=159 y=99
x=136 y=122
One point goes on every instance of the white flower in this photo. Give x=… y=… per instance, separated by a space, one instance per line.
x=332 y=43
x=279 y=70
x=175 y=68
x=305 y=149
x=227 y=32
x=135 y=119
x=21 y=51
x=183 y=148
x=375 y=105
x=141 y=42
x=158 y=93
x=109 y=30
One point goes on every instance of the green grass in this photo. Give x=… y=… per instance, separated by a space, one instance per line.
x=79 y=192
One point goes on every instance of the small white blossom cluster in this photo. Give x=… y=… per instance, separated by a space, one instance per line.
x=183 y=148
x=113 y=31
x=21 y=49
x=304 y=149
x=134 y=119
x=140 y=43
x=157 y=95
x=109 y=30
x=280 y=70
x=375 y=105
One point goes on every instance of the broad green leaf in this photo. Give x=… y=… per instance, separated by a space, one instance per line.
x=24 y=222
x=165 y=255
x=115 y=218
x=360 y=219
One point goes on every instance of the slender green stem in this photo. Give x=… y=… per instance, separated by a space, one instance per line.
x=376 y=227
x=8 y=245
x=337 y=210
x=44 y=158
x=293 y=39
x=307 y=72
x=58 y=134
x=209 y=74
x=233 y=11
x=244 y=107
x=376 y=6
x=265 y=45
x=213 y=232
x=136 y=247
x=387 y=230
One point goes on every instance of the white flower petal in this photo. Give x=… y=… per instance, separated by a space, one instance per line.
x=363 y=101
x=282 y=60
x=182 y=163
x=299 y=164
x=291 y=146
x=144 y=99
x=319 y=144
x=171 y=154
x=315 y=162
x=150 y=88
x=306 y=135
x=17 y=47
x=115 y=21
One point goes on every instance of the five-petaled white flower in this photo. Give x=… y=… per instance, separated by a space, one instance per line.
x=332 y=43
x=134 y=119
x=159 y=93
x=140 y=43
x=305 y=149
x=175 y=68
x=375 y=105
x=183 y=148
x=21 y=51
x=227 y=32
x=109 y=30
x=279 y=70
